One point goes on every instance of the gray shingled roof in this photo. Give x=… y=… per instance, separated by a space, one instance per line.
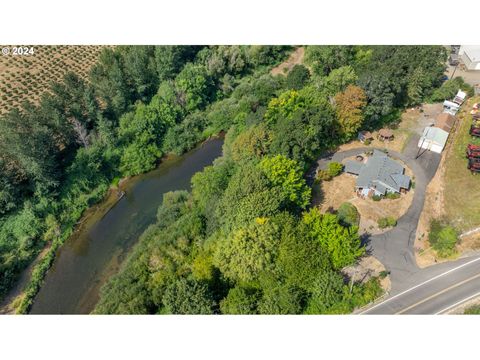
x=380 y=173
x=353 y=167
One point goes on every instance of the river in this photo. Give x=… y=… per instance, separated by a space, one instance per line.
x=98 y=247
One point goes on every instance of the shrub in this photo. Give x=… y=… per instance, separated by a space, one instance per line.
x=449 y=88
x=324 y=175
x=386 y=222
x=377 y=197
x=334 y=169
x=367 y=142
x=442 y=238
x=474 y=310
x=392 y=196
x=348 y=214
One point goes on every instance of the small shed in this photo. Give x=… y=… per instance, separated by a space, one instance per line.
x=365 y=136
x=385 y=135
x=433 y=139
x=445 y=121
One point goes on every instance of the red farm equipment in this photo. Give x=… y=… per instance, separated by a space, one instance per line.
x=474 y=130
x=473 y=151
x=474 y=165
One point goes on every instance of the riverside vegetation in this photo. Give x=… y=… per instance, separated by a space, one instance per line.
x=245 y=240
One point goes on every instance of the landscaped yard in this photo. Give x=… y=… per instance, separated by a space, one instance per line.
x=341 y=189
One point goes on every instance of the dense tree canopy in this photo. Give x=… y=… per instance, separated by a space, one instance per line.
x=245 y=239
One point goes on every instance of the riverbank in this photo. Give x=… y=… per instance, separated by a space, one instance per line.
x=97 y=248
x=20 y=299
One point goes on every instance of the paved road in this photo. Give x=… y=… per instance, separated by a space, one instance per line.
x=438 y=294
x=395 y=250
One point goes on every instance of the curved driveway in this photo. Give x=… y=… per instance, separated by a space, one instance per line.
x=394 y=248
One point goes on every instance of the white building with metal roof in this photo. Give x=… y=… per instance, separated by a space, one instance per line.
x=433 y=139
x=470 y=55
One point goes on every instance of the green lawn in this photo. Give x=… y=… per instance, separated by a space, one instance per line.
x=462 y=189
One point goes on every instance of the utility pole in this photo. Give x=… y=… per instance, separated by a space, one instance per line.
x=351 y=282
x=421 y=146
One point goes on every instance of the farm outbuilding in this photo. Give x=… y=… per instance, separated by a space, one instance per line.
x=365 y=136
x=445 y=121
x=470 y=56
x=385 y=135
x=433 y=139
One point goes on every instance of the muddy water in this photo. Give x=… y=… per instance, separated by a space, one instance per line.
x=98 y=247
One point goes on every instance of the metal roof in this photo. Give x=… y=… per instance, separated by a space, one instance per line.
x=435 y=135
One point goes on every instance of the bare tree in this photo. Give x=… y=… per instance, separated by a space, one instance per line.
x=81 y=133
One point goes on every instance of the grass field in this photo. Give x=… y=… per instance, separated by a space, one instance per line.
x=462 y=189
x=26 y=77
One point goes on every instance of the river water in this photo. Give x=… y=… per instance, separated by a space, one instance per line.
x=96 y=250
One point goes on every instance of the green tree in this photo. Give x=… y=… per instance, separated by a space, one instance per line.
x=303 y=136
x=338 y=80
x=185 y=296
x=194 y=87
x=248 y=251
x=301 y=257
x=281 y=299
x=110 y=81
x=380 y=96
x=284 y=106
x=324 y=58
x=140 y=68
x=443 y=238
x=253 y=143
x=288 y=175
x=326 y=291
x=342 y=244
x=170 y=59
x=449 y=89
x=297 y=77
x=240 y=300
x=348 y=214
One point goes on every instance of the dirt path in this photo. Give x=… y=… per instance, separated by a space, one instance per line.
x=295 y=58
x=7 y=306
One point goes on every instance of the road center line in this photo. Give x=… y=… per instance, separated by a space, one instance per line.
x=457 y=303
x=421 y=284
x=437 y=294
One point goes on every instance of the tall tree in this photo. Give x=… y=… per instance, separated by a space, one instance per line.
x=349 y=108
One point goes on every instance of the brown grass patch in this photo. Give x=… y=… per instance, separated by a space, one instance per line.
x=295 y=58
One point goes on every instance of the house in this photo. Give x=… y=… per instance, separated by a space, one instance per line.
x=470 y=56
x=379 y=175
x=445 y=121
x=365 y=136
x=433 y=138
x=385 y=135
